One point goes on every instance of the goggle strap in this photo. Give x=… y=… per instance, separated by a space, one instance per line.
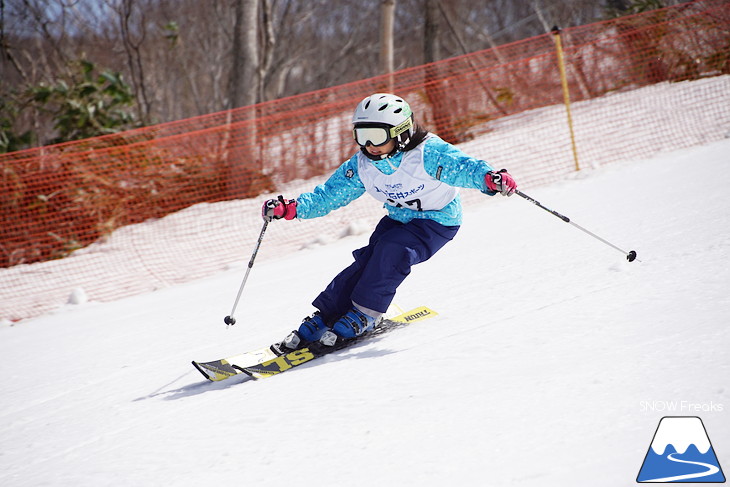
x=407 y=124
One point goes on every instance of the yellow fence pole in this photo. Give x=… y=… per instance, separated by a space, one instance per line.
x=566 y=93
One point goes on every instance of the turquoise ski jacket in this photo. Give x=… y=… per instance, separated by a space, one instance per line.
x=441 y=160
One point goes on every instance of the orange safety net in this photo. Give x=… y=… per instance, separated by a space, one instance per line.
x=81 y=200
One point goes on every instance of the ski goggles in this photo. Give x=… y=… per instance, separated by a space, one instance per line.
x=377 y=134
x=371 y=135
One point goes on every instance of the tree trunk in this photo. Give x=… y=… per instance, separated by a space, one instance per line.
x=431 y=51
x=387 y=20
x=243 y=87
x=240 y=155
x=441 y=122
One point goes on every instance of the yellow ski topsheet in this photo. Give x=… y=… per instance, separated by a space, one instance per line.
x=251 y=358
x=228 y=367
x=215 y=371
x=416 y=314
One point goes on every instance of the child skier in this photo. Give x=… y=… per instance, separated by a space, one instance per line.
x=416 y=175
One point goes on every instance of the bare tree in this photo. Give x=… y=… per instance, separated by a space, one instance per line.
x=186 y=57
x=133 y=44
x=244 y=73
x=243 y=91
x=431 y=31
x=387 y=15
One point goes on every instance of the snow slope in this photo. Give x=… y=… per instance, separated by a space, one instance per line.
x=537 y=371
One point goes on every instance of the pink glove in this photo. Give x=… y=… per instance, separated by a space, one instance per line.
x=278 y=209
x=500 y=182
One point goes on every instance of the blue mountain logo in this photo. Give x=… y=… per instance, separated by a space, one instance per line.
x=681 y=452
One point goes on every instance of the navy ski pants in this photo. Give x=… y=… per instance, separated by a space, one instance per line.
x=382 y=265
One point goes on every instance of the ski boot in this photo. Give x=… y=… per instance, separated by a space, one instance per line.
x=352 y=324
x=311 y=330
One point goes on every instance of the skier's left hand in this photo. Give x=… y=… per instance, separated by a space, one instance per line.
x=501 y=182
x=276 y=209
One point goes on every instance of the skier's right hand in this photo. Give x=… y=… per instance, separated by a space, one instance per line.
x=276 y=209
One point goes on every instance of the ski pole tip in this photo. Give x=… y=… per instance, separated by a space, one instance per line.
x=229 y=320
x=631 y=256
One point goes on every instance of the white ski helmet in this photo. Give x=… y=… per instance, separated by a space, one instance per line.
x=389 y=113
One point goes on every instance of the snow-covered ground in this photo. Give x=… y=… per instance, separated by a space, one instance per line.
x=550 y=363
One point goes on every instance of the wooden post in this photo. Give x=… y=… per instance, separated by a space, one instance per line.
x=566 y=93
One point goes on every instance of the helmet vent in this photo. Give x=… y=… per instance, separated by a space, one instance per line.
x=397 y=110
x=383 y=107
x=367 y=104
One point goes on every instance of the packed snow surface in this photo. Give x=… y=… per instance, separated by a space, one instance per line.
x=550 y=363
